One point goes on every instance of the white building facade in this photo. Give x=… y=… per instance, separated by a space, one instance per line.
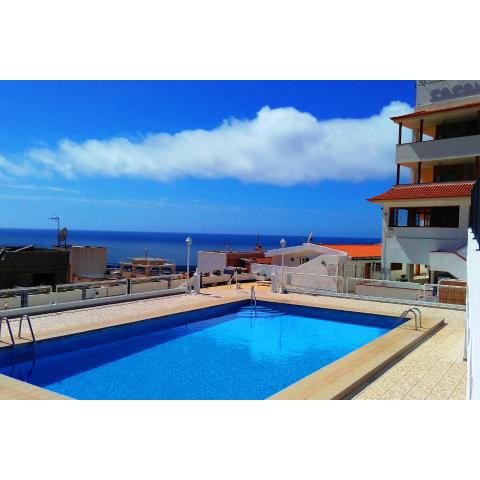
x=425 y=220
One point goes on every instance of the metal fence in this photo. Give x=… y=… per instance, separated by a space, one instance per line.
x=454 y=293
x=446 y=292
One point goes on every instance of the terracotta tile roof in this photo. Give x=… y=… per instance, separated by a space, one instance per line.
x=425 y=190
x=266 y=260
x=424 y=113
x=357 y=251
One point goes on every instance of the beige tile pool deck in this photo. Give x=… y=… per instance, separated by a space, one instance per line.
x=433 y=369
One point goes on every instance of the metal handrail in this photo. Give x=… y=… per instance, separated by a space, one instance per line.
x=7 y=321
x=413 y=310
x=416 y=309
x=27 y=318
x=253 y=297
x=234 y=276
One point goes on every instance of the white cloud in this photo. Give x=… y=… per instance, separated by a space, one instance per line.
x=23 y=186
x=138 y=203
x=280 y=146
x=15 y=169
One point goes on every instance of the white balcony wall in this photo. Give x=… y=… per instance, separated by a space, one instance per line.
x=449 y=148
x=414 y=244
x=449 y=262
x=473 y=319
x=410 y=250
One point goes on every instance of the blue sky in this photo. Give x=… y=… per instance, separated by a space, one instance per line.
x=210 y=157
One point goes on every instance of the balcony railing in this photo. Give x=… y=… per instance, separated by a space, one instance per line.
x=449 y=148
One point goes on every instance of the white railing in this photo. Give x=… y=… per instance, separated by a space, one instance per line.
x=74 y=292
x=153 y=284
x=384 y=288
x=23 y=299
x=441 y=294
x=25 y=296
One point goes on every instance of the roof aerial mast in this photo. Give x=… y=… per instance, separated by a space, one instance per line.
x=56 y=218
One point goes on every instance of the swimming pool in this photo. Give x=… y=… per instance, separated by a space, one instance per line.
x=225 y=352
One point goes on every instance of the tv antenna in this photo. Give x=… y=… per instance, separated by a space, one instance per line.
x=56 y=218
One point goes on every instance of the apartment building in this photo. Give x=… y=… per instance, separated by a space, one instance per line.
x=425 y=215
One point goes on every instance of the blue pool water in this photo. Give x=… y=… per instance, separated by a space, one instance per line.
x=227 y=352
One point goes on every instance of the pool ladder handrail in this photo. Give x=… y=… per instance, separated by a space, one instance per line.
x=234 y=277
x=7 y=321
x=27 y=318
x=417 y=313
x=253 y=297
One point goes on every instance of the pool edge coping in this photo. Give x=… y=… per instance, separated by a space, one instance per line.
x=338 y=379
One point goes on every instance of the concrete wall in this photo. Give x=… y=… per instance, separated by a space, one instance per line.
x=448 y=148
x=68 y=296
x=437 y=93
x=407 y=292
x=90 y=262
x=473 y=319
x=207 y=262
x=10 y=302
x=149 y=286
x=214 y=279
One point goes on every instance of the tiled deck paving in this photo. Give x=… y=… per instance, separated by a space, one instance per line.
x=434 y=370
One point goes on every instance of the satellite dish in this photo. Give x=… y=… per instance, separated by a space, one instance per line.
x=62 y=235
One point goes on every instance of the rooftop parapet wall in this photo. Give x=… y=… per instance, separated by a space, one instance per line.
x=442 y=93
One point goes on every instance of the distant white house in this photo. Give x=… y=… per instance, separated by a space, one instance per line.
x=321 y=259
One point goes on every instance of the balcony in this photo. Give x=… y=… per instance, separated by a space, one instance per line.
x=434 y=150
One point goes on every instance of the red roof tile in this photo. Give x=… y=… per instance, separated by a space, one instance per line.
x=357 y=251
x=425 y=190
x=266 y=260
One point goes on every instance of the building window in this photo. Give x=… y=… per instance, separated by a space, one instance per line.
x=396 y=266
x=455 y=130
x=454 y=173
x=444 y=217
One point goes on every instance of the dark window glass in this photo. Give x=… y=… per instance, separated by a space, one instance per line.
x=453 y=173
x=453 y=130
x=445 y=217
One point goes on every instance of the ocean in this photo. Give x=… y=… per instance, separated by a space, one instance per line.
x=123 y=245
